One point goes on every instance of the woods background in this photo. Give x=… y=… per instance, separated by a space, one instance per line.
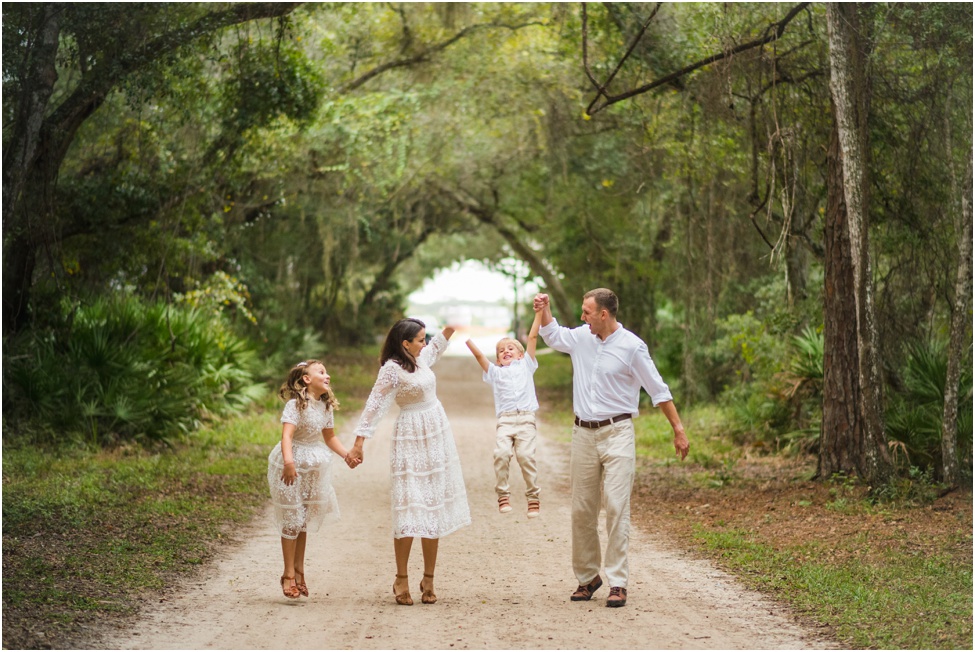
x=195 y=194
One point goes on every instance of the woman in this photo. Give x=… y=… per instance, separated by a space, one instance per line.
x=428 y=495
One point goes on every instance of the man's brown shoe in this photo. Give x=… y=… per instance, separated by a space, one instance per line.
x=617 y=597
x=584 y=592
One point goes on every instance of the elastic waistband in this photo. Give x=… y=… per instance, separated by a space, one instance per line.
x=592 y=425
x=515 y=413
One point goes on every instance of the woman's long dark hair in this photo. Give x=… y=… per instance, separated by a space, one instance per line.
x=404 y=329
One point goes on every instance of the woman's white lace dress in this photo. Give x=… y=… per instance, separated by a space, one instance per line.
x=303 y=506
x=429 y=499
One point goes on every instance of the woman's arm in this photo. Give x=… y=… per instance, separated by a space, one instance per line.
x=433 y=351
x=377 y=405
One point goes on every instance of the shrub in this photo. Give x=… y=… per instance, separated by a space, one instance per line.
x=119 y=368
x=916 y=406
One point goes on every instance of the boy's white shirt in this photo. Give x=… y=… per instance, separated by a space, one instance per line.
x=513 y=385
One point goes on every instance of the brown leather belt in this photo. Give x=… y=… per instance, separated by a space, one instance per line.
x=592 y=425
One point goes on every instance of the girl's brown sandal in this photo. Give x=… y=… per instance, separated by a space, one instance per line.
x=290 y=591
x=300 y=585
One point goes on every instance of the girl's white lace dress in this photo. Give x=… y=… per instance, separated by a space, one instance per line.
x=303 y=506
x=429 y=499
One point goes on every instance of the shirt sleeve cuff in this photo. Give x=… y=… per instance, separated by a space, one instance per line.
x=662 y=397
x=549 y=328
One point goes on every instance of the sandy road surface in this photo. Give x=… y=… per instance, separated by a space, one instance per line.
x=503 y=582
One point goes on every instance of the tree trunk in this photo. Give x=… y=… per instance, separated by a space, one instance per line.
x=863 y=448
x=37 y=84
x=957 y=341
x=841 y=388
x=22 y=218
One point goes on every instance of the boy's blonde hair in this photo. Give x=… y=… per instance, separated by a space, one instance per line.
x=497 y=347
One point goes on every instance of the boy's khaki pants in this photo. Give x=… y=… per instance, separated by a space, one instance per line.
x=601 y=472
x=516 y=435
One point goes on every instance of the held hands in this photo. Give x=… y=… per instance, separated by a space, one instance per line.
x=540 y=302
x=354 y=457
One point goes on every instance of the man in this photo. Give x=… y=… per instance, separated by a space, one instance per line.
x=609 y=365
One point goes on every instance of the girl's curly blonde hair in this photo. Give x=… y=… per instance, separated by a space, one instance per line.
x=295 y=388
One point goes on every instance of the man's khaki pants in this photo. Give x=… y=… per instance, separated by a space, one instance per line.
x=516 y=433
x=602 y=470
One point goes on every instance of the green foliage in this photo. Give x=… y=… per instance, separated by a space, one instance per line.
x=218 y=293
x=916 y=408
x=272 y=80
x=916 y=487
x=806 y=365
x=312 y=170
x=118 y=369
x=773 y=378
x=751 y=356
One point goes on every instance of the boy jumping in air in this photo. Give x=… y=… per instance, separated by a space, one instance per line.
x=515 y=404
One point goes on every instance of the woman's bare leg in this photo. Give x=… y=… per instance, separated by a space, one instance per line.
x=402 y=549
x=430 y=548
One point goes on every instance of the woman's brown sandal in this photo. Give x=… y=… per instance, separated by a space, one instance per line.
x=300 y=585
x=427 y=597
x=289 y=591
x=404 y=597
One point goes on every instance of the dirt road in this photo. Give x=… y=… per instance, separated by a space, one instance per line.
x=503 y=582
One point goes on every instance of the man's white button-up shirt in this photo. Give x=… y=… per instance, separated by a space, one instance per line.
x=606 y=374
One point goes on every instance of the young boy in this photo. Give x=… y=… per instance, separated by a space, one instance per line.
x=515 y=405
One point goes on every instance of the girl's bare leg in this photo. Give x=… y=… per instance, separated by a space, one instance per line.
x=288 y=552
x=299 y=562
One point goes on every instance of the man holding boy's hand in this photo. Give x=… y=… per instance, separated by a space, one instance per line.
x=609 y=365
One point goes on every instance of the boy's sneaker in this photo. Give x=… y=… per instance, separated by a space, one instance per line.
x=533 y=506
x=503 y=505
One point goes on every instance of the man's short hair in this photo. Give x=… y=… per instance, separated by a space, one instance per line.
x=605 y=299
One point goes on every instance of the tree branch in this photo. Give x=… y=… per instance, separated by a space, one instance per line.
x=95 y=87
x=424 y=56
x=601 y=88
x=772 y=33
x=489 y=216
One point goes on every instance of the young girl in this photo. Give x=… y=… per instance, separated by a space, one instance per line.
x=299 y=468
